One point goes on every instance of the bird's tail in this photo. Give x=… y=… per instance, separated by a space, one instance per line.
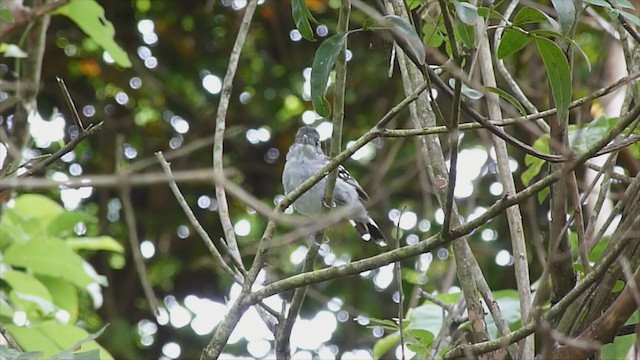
x=369 y=230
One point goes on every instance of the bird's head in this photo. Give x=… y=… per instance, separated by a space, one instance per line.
x=307 y=135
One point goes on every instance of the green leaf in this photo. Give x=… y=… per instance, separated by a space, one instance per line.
x=52 y=338
x=53 y=258
x=63 y=225
x=28 y=292
x=69 y=353
x=534 y=164
x=404 y=33
x=64 y=294
x=529 y=15
x=490 y=13
x=625 y=4
x=566 y=14
x=512 y=41
x=465 y=33
x=505 y=95
x=301 y=17
x=618 y=286
x=468 y=13
x=106 y=243
x=5 y=14
x=385 y=344
x=430 y=33
x=565 y=38
x=89 y=16
x=558 y=72
x=40 y=207
x=581 y=138
x=323 y=62
x=6 y=310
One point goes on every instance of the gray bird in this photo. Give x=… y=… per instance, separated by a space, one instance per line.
x=305 y=158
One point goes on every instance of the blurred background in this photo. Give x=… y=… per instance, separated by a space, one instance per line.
x=167 y=101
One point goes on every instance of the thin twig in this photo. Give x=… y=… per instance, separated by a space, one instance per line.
x=138 y=260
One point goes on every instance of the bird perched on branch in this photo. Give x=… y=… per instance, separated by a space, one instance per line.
x=305 y=158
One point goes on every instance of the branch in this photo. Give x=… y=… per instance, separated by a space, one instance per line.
x=26 y=15
x=227 y=85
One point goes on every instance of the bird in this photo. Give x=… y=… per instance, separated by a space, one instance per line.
x=304 y=159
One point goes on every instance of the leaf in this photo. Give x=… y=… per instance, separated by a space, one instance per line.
x=465 y=33
x=567 y=39
x=40 y=207
x=63 y=225
x=323 y=62
x=64 y=294
x=566 y=14
x=529 y=15
x=385 y=344
x=53 y=258
x=468 y=13
x=430 y=34
x=405 y=34
x=12 y=354
x=602 y=3
x=505 y=95
x=89 y=16
x=52 y=338
x=29 y=289
x=558 y=72
x=106 y=243
x=5 y=14
x=512 y=41
x=301 y=17
x=77 y=346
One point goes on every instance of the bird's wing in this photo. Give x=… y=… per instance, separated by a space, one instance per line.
x=344 y=175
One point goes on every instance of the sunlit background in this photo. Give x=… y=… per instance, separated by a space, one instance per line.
x=263 y=116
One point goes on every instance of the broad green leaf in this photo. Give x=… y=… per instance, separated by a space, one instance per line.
x=404 y=33
x=529 y=15
x=618 y=286
x=323 y=62
x=534 y=164
x=468 y=13
x=414 y=4
x=53 y=258
x=385 y=344
x=430 y=33
x=486 y=12
x=567 y=39
x=301 y=16
x=465 y=33
x=40 y=207
x=70 y=352
x=581 y=138
x=558 y=72
x=619 y=348
x=28 y=292
x=64 y=294
x=505 y=95
x=6 y=311
x=512 y=41
x=106 y=243
x=5 y=14
x=63 y=225
x=89 y=16
x=566 y=14
x=53 y=338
